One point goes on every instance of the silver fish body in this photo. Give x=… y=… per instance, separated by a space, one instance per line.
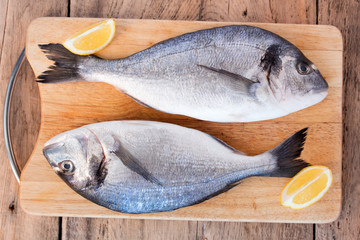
x=225 y=74
x=144 y=166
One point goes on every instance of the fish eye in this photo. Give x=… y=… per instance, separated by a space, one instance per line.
x=303 y=68
x=67 y=167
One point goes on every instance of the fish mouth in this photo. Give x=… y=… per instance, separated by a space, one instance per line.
x=55 y=167
x=313 y=96
x=322 y=90
x=51 y=148
x=48 y=148
x=320 y=87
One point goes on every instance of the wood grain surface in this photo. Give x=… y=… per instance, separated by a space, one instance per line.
x=67 y=106
x=343 y=14
x=25 y=116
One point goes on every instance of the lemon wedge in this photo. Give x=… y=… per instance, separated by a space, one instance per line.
x=91 y=39
x=306 y=187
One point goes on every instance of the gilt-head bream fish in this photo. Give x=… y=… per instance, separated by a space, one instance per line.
x=145 y=166
x=233 y=73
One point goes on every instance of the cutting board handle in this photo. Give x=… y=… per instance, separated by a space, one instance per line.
x=9 y=91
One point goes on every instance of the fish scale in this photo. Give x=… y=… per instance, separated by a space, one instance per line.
x=233 y=73
x=181 y=167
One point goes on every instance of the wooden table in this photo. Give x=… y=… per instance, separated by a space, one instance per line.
x=15 y=16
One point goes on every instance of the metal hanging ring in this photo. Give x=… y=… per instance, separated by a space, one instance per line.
x=6 y=120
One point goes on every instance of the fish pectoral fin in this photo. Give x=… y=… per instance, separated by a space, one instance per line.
x=241 y=83
x=133 y=164
x=229 y=74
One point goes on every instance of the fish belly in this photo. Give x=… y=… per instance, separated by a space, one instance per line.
x=189 y=165
x=159 y=199
x=178 y=83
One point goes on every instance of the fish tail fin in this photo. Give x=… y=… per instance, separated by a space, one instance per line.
x=286 y=154
x=65 y=68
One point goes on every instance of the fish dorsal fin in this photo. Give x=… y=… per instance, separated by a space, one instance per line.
x=227 y=145
x=241 y=83
x=132 y=163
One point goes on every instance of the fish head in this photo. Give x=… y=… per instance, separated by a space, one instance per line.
x=293 y=79
x=76 y=157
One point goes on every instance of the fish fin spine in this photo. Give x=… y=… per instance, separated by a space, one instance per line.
x=240 y=83
x=65 y=67
x=132 y=163
x=286 y=154
x=227 y=145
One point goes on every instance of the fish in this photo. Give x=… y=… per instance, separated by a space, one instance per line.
x=235 y=73
x=135 y=166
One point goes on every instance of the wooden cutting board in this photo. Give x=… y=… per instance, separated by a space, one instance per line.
x=71 y=105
